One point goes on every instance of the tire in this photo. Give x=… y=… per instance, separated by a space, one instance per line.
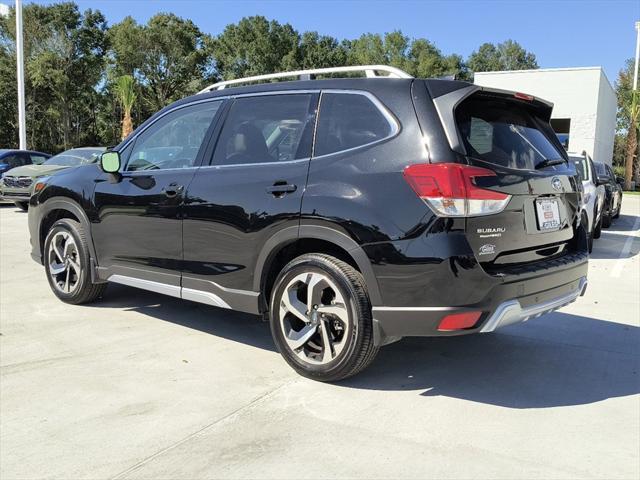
x=24 y=206
x=590 y=242
x=606 y=219
x=343 y=311
x=66 y=250
x=598 y=229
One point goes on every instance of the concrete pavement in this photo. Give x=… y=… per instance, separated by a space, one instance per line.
x=145 y=386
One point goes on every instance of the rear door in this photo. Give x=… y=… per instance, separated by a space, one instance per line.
x=252 y=189
x=511 y=136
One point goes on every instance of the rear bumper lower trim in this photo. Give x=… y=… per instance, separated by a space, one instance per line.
x=511 y=311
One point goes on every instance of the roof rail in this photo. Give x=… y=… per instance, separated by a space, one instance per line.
x=369 y=70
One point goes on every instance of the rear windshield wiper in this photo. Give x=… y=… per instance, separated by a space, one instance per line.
x=549 y=162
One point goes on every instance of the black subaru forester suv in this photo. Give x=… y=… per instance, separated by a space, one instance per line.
x=350 y=212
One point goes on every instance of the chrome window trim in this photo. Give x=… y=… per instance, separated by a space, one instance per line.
x=391 y=119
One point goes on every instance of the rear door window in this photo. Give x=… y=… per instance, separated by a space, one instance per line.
x=267 y=129
x=349 y=120
x=505 y=133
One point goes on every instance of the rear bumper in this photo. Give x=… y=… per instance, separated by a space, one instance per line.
x=519 y=298
x=512 y=311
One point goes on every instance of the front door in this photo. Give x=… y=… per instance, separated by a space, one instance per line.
x=137 y=229
x=252 y=189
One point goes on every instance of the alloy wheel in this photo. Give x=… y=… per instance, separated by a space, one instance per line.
x=314 y=318
x=64 y=262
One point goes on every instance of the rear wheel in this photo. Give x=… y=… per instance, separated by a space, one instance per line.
x=24 y=206
x=321 y=318
x=67 y=261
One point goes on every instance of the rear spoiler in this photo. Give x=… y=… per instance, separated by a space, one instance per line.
x=448 y=95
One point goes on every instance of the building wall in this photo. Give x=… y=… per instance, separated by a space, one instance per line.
x=584 y=95
x=606 y=121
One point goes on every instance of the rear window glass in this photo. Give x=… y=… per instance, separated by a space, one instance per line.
x=504 y=133
x=349 y=120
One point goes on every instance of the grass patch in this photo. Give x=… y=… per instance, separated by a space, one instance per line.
x=629 y=192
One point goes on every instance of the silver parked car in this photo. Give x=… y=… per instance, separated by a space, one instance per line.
x=594 y=194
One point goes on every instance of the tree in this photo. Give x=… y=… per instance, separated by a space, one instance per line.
x=255 y=46
x=507 y=55
x=627 y=122
x=125 y=90
x=418 y=57
x=320 y=51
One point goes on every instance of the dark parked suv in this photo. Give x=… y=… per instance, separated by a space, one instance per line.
x=350 y=212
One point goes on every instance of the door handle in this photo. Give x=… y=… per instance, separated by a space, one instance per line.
x=172 y=190
x=281 y=188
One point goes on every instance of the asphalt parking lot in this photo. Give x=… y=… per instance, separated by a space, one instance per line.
x=145 y=386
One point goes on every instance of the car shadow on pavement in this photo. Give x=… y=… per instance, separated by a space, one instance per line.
x=556 y=360
x=611 y=246
x=228 y=324
x=624 y=223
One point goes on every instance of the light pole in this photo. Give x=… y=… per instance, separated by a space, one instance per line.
x=20 y=71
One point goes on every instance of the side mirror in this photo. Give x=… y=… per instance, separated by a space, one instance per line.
x=110 y=162
x=602 y=181
x=620 y=180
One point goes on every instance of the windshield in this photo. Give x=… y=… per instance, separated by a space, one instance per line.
x=72 y=158
x=505 y=133
x=582 y=167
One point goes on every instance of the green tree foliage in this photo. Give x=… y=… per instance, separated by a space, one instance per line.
x=626 y=151
x=64 y=51
x=255 y=46
x=73 y=63
x=507 y=55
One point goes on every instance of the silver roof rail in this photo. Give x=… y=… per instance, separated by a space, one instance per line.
x=369 y=70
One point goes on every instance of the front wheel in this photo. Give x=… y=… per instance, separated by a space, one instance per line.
x=24 y=206
x=67 y=263
x=606 y=219
x=320 y=318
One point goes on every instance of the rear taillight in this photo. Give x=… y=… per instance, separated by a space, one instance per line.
x=450 y=190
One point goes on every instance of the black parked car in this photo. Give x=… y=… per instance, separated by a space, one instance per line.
x=16 y=158
x=350 y=212
x=613 y=192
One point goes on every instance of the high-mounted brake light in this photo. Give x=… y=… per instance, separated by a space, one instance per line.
x=524 y=96
x=450 y=189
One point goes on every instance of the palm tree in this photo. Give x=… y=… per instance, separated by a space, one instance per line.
x=125 y=89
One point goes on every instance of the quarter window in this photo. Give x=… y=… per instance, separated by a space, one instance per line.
x=174 y=140
x=349 y=120
x=266 y=129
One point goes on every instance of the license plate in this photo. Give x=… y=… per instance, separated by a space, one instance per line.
x=548 y=213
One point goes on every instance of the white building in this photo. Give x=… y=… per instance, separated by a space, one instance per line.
x=584 y=111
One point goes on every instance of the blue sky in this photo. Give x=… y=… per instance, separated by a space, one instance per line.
x=562 y=33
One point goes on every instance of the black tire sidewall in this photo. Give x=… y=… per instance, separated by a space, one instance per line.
x=72 y=228
x=343 y=361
